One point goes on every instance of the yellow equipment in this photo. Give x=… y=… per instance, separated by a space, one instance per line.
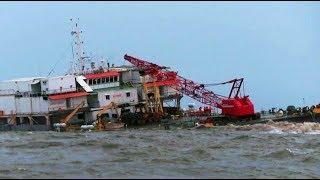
x=153 y=103
x=316 y=110
x=65 y=122
x=68 y=118
x=101 y=125
x=13 y=118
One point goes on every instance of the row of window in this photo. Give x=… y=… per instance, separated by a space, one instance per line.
x=105 y=80
x=108 y=96
x=113 y=115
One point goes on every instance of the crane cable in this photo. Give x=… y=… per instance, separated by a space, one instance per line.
x=213 y=84
x=62 y=56
x=216 y=84
x=244 y=93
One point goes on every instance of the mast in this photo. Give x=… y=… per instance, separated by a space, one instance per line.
x=79 y=58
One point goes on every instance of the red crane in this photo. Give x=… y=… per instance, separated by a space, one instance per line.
x=234 y=105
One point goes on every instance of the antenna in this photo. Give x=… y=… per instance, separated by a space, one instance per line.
x=80 y=58
x=72 y=51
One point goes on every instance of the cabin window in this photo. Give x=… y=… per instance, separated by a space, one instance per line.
x=107 y=79
x=115 y=78
x=114 y=115
x=81 y=116
x=68 y=103
x=106 y=115
x=94 y=81
x=90 y=81
x=128 y=94
x=111 y=79
x=98 y=81
x=107 y=97
x=103 y=80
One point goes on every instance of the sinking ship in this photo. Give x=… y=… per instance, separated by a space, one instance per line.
x=79 y=96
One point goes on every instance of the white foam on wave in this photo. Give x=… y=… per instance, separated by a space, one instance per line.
x=286 y=128
x=294 y=132
x=275 y=131
x=279 y=131
x=313 y=132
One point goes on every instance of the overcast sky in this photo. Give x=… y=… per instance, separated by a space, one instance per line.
x=273 y=45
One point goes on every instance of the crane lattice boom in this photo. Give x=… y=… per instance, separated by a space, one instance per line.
x=232 y=105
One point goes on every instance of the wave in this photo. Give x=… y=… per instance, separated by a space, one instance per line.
x=283 y=127
x=280 y=154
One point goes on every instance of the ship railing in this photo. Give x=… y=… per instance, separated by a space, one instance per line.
x=43 y=93
x=63 y=90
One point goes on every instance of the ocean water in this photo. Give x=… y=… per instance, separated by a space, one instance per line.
x=273 y=150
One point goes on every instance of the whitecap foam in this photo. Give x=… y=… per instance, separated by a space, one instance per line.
x=284 y=128
x=275 y=131
x=313 y=132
